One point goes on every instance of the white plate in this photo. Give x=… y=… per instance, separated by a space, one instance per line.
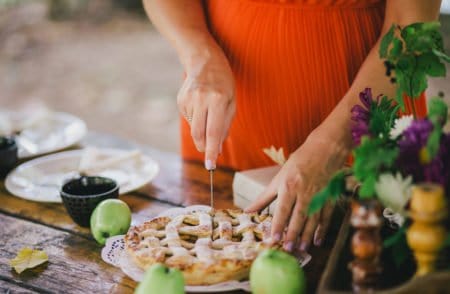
x=40 y=179
x=44 y=133
x=114 y=253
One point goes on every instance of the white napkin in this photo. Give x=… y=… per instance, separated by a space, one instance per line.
x=12 y=122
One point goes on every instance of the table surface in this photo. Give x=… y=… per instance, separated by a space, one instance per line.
x=75 y=264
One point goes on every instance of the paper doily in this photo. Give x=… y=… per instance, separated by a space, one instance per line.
x=115 y=254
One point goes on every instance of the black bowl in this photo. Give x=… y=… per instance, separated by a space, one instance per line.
x=81 y=195
x=8 y=155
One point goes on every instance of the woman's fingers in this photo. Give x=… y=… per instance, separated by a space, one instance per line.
x=324 y=222
x=296 y=224
x=229 y=118
x=198 y=127
x=285 y=201
x=215 y=127
x=308 y=232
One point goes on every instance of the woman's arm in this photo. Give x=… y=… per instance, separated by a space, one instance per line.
x=206 y=98
x=327 y=147
x=372 y=72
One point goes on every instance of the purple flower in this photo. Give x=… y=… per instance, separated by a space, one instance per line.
x=413 y=141
x=361 y=116
x=438 y=170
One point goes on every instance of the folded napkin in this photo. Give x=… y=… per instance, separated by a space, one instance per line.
x=13 y=122
x=94 y=161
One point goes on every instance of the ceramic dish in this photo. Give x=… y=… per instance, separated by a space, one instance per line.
x=41 y=179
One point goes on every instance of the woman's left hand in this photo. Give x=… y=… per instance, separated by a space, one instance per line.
x=306 y=171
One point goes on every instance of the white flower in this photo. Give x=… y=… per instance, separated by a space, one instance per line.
x=393 y=192
x=400 y=125
x=276 y=155
x=395 y=220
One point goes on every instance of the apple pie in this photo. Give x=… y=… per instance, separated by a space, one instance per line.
x=207 y=248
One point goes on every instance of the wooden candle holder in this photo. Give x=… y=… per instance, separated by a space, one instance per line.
x=366 y=245
x=427 y=234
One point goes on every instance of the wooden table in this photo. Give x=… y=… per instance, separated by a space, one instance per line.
x=75 y=264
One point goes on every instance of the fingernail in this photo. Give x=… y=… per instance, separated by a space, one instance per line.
x=209 y=164
x=318 y=242
x=289 y=246
x=303 y=246
x=277 y=237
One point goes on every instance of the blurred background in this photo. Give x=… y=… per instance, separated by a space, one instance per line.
x=103 y=61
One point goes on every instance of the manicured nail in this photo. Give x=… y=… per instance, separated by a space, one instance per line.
x=303 y=246
x=318 y=242
x=209 y=164
x=289 y=246
x=277 y=237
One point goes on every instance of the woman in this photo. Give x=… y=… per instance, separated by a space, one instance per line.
x=283 y=73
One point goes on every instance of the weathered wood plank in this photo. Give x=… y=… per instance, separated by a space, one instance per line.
x=74 y=266
x=9 y=288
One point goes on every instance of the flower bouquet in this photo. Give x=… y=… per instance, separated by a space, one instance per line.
x=398 y=146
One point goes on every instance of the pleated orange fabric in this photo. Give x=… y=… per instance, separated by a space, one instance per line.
x=292 y=61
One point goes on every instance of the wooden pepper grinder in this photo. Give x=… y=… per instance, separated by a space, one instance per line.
x=365 y=245
x=427 y=234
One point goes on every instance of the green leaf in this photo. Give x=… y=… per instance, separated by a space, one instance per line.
x=335 y=188
x=434 y=142
x=372 y=157
x=386 y=41
x=396 y=237
x=381 y=116
x=398 y=246
x=430 y=64
x=437 y=111
x=404 y=72
x=406 y=62
x=399 y=92
x=422 y=37
x=367 y=189
x=318 y=201
x=441 y=55
x=419 y=84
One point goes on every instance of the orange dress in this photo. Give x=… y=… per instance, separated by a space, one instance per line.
x=293 y=60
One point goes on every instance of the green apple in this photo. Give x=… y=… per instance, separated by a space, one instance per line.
x=275 y=271
x=111 y=217
x=161 y=279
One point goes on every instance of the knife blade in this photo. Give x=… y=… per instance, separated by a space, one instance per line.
x=211 y=184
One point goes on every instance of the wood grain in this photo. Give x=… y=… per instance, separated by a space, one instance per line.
x=74 y=266
x=10 y=288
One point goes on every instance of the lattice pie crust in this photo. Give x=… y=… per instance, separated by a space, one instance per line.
x=207 y=248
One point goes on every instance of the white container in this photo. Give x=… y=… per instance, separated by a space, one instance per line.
x=249 y=184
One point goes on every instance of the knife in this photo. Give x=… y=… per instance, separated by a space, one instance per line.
x=211 y=185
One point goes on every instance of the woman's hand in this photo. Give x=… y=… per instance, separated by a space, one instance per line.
x=307 y=171
x=206 y=100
